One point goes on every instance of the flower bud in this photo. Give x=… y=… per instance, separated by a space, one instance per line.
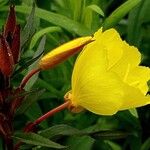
x=15 y=48
x=62 y=52
x=6 y=58
x=11 y=22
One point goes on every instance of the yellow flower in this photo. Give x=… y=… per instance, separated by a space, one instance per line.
x=62 y=52
x=107 y=76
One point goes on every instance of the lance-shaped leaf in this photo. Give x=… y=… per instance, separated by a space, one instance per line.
x=6 y=58
x=35 y=139
x=16 y=44
x=11 y=21
x=119 y=13
x=62 y=52
x=29 y=28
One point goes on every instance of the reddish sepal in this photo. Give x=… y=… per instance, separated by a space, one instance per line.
x=16 y=44
x=11 y=22
x=6 y=58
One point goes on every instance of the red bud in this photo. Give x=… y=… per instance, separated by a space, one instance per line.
x=11 y=22
x=6 y=58
x=16 y=44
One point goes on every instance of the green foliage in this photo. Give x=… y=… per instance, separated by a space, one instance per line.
x=57 y=19
x=29 y=100
x=41 y=33
x=51 y=23
x=137 y=18
x=119 y=13
x=146 y=145
x=28 y=30
x=35 y=139
x=34 y=65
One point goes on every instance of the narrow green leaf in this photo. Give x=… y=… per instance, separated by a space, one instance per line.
x=87 y=18
x=137 y=17
x=35 y=139
x=111 y=134
x=56 y=19
x=39 y=51
x=119 y=13
x=76 y=7
x=29 y=29
x=65 y=130
x=58 y=130
x=144 y=12
x=96 y=9
x=40 y=33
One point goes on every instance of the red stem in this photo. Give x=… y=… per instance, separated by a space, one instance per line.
x=27 y=77
x=30 y=127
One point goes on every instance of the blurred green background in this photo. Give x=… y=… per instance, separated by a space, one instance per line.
x=55 y=22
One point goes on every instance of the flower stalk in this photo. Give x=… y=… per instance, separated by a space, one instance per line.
x=50 y=113
x=28 y=77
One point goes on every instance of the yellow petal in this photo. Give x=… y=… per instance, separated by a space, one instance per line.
x=138 y=78
x=129 y=71
x=134 y=98
x=93 y=87
x=131 y=57
x=113 y=45
x=106 y=77
x=100 y=94
x=93 y=57
x=62 y=52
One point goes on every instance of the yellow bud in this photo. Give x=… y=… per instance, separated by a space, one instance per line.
x=62 y=52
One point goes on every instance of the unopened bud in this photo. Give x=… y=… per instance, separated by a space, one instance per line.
x=11 y=21
x=62 y=52
x=6 y=58
x=15 y=48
